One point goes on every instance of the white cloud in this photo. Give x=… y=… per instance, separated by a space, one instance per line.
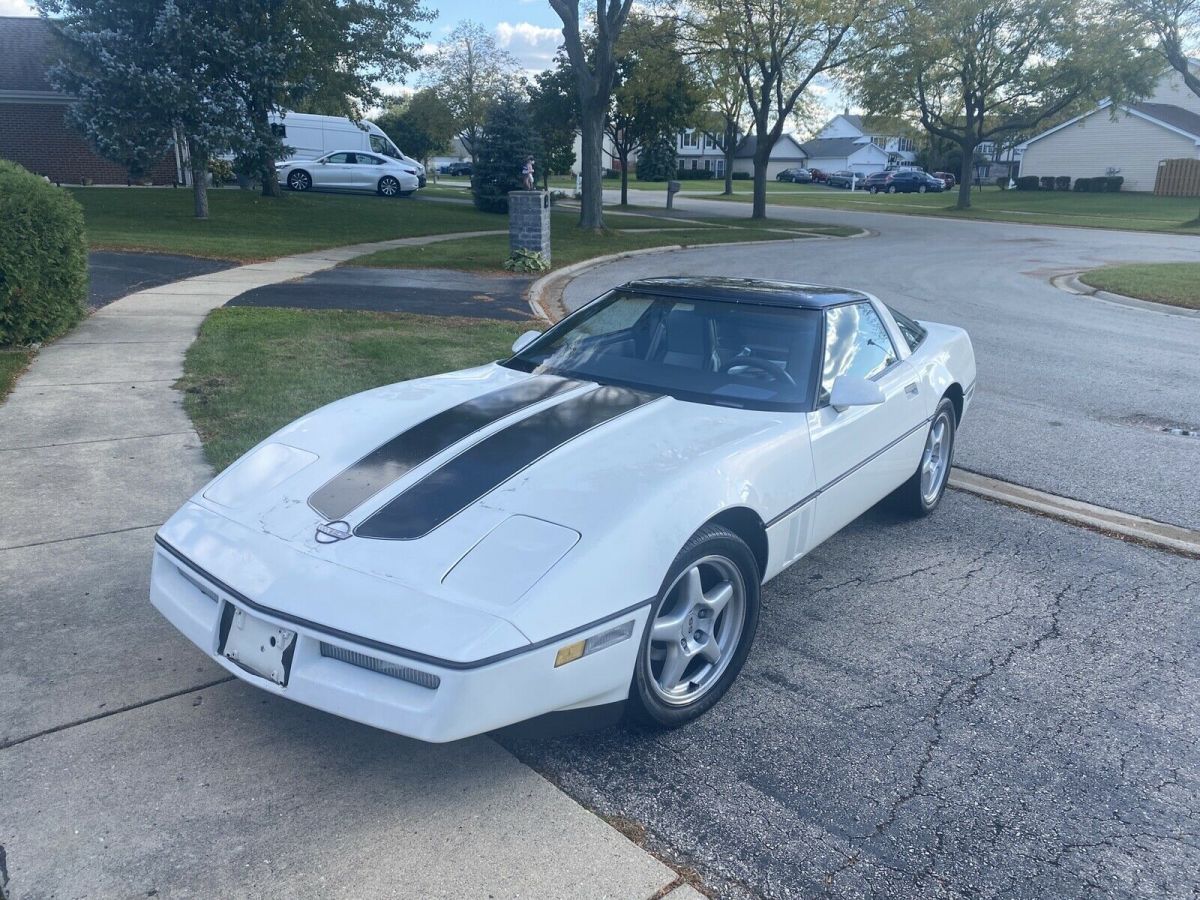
x=16 y=8
x=532 y=45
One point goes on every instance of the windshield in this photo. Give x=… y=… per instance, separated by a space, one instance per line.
x=732 y=354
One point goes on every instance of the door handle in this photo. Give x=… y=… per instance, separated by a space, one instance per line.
x=911 y=389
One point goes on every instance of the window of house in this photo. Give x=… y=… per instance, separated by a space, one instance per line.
x=720 y=168
x=693 y=165
x=856 y=343
x=689 y=139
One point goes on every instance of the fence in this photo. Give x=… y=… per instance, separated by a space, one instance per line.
x=1178 y=178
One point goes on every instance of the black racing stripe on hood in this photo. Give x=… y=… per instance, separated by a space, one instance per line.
x=453 y=487
x=391 y=461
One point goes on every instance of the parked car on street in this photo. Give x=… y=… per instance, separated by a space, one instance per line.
x=947 y=178
x=585 y=525
x=844 y=179
x=875 y=180
x=312 y=136
x=456 y=168
x=906 y=182
x=795 y=176
x=344 y=171
x=818 y=176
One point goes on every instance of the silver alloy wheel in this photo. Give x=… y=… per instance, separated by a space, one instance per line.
x=389 y=186
x=935 y=461
x=299 y=181
x=697 y=631
x=891 y=189
x=921 y=189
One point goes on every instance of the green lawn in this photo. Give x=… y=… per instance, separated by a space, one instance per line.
x=1174 y=283
x=1133 y=211
x=241 y=381
x=570 y=245
x=12 y=364
x=242 y=225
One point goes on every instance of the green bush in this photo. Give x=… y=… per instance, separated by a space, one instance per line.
x=1083 y=185
x=1027 y=183
x=507 y=139
x=1099 y=184
x=1002 y=182
x=741 y=176
x=695 y=175
x=43 y=258
x=1112 y=183
x=523 y=260
x=1062 y=182
x=1046 y=183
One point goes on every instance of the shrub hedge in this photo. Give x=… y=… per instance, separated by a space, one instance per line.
x=1062 y=183
x=43 y=258
x=1100 y=184
x=695 y=175
x=741 y=176
x=1027 y=183
x=1046 y=183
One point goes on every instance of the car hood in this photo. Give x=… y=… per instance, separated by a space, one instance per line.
x=462 y=489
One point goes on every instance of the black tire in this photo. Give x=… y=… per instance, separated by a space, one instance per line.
x=911 y=498
x=921 y=189
x=388 y=186
x=891 y=189
x=299 y=180
x=712 y=542
x=873 y=190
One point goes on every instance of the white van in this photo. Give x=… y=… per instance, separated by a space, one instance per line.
x=311 y=136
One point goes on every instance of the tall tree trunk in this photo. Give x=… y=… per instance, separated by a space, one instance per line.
x=966 y=174
x=760 y=185
x=729 y=148
x=591 y=201
x=623 y=156
x=270 y=183
x=200 y=184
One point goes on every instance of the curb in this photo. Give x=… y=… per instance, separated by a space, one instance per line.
x=545 y=295
x=1072 y=284
x=1173 y=538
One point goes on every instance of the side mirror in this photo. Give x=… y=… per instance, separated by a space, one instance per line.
x=525 y=340
x=849 y=390
x=324 y=162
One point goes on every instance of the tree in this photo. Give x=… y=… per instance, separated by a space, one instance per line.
x=506 y=140
x=777 y=48
x=655 y=92
x=725 y=107
x=282 y=54
x=145 y=75
x=1172 y=22
x=979 y=70
x=420 y=125
x=592 y=62
x=658 y=159
x=470 y=71
x=554 y=110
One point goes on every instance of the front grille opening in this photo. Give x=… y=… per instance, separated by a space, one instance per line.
x=383 y=667
x=207 y=592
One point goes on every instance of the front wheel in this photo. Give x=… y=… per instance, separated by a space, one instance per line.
x=921 y=189
x=921 y=494
x=891 y=189
x=299 y=180
x=700 y=631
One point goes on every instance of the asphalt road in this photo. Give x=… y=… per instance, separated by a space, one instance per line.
x=1073 y=392
x=114 y=273
x=981 y=704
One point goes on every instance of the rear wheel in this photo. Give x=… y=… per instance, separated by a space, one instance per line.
x=299 y=180
x=389 y=186
x=921 y=189
x=700 y=631
x=921 y=494
x=891 y=189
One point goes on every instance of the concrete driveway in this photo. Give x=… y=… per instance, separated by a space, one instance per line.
x=1073 y=392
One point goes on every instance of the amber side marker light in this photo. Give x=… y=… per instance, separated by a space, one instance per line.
x=580 y=649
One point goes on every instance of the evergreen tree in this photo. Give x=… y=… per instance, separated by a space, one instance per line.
x=554 y=109
x=505 y=142
x=658 y=160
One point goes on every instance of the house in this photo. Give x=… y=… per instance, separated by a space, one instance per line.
x=888 y=135
x=697 y=150
x=1126 y=139
x=853 y=153
x=33 y=128
x=786 y=154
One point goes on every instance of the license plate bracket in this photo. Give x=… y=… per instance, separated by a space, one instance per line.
x=256 y=645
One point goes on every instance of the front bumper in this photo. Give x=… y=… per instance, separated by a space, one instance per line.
x=468 y=699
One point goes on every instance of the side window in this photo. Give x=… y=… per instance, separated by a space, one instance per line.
x=340 y=158
x=377 y=144
x=856 y=343
x=913 y=332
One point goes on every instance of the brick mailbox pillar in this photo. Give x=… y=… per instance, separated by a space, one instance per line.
x=529 y=222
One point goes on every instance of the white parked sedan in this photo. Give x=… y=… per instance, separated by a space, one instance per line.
x=584 y=527
x=346 y=171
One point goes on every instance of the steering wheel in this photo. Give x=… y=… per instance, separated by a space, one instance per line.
x=776 y=371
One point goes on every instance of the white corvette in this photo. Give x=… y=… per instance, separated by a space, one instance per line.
x=584 y=527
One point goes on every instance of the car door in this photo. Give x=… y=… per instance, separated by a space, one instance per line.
x=360 y=171
x=333 y=171
x=862 y=453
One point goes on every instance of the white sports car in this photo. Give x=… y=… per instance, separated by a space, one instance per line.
x=584 y=528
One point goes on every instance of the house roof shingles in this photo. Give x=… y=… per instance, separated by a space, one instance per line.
x=27 y=47
x=745 y=150
x=835 y=147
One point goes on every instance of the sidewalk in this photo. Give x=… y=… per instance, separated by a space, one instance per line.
x=130 y=764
